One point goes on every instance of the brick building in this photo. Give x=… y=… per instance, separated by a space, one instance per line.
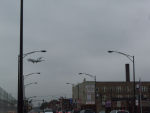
x=111 y=95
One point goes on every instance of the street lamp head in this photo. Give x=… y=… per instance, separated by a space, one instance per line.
x=110 y=51
x=70 y=83
x=80 y=73
x=43 y=51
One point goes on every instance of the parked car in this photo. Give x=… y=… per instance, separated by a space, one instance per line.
x=102 y=112
x=119 y=111
x=69 y=112
x=87 y=111
x=48 y=111
x=61 y=111
x=146 y=112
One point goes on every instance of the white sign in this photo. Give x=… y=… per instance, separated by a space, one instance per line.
x=89 y=97
x=90 y=88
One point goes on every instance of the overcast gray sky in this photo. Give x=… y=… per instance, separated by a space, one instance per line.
x=77 y=35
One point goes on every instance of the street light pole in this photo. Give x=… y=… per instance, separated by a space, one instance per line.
x=72 y=88
x=134 y=82
x=20 y=101
x=94 y=84
x=24 y=77
x=131 y=58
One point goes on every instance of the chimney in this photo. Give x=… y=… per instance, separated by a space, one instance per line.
x=127 y=68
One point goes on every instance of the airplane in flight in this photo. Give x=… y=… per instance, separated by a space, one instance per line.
x=35 y=60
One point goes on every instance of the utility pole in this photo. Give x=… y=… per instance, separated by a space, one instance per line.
x=131 y=58
x=20 y=64
x=43 y=105
x=95 y=95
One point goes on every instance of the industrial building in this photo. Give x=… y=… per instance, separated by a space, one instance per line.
x=112 y=95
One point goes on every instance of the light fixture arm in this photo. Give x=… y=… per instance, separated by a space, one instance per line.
x=130 y=57
x=26 y=54
x=92 y=76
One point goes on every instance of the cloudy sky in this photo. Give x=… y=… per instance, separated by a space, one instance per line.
x=77 y=35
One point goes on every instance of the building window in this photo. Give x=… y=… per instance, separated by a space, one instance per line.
x=104 y=89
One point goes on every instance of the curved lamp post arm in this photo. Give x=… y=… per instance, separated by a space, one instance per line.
x=30 y=84
x=127 y=55
x=92 y=76
x=26 y=54
x=25 y=76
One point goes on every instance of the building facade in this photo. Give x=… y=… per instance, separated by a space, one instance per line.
x=112 y=95
x=84 y=95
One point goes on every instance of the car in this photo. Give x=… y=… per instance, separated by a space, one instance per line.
x=119 y=111
x=87 y=111
x=69 y=112
x=62 y=111
x=48 y=111
x=102 y=112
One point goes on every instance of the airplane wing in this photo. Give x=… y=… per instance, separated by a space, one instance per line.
x=36 y=60
x=31 y=60
x=39 y=58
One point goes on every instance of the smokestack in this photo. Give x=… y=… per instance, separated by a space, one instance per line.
x=127 y=68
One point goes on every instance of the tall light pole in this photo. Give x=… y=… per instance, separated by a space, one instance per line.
x=20 y=101
x=131 y=58
x=72 y=87
x=20 y=64
x=92 y=76
x=73 y=90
